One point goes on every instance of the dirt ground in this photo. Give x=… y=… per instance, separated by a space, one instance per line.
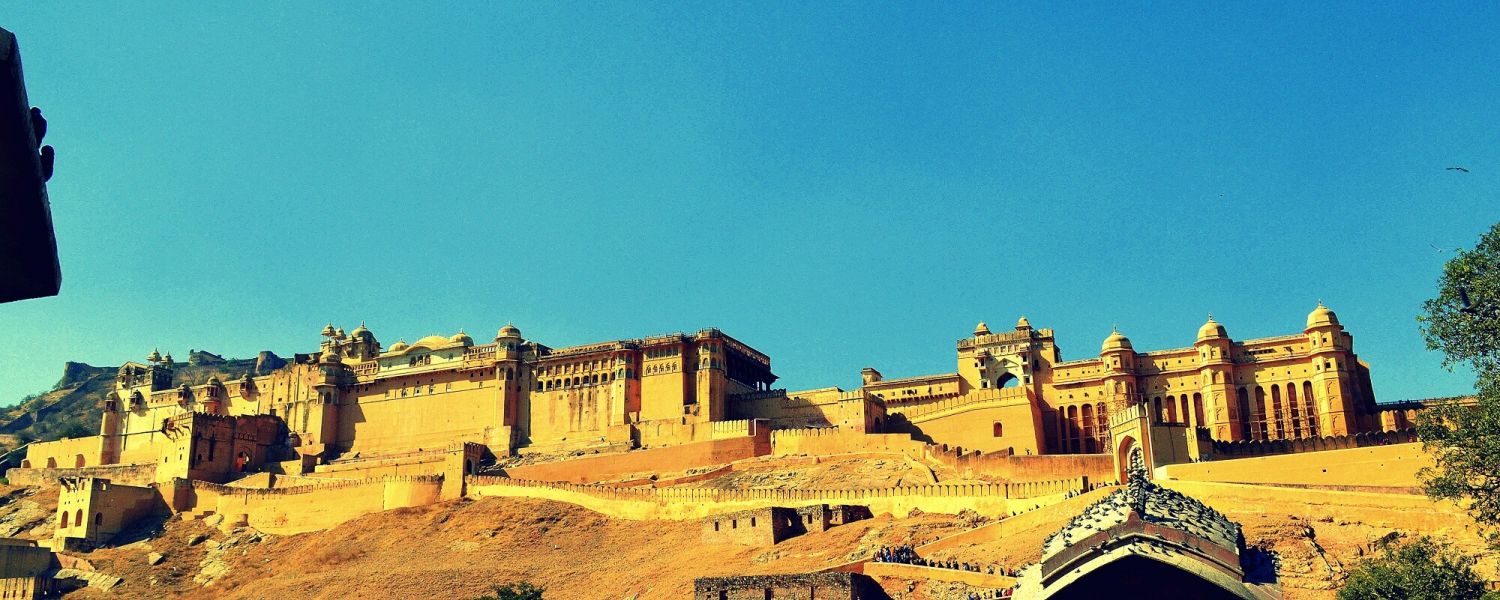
x=459 y=549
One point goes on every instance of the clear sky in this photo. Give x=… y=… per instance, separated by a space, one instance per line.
x=838 y=185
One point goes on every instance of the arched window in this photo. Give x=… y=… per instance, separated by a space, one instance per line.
x=1073 y=429
x=65 y=520
x=98 y=519
x=1260 y=413
x=1101 y=424
x=78 y=517
x=999 y=429
x=1198 y=409
x=1310 y=405
x=1089 y=441
x=1294 y=410
x=1276 y=412
x=1242 y=401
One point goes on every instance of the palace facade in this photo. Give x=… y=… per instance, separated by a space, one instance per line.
x=1012 y=390
x=356 y=399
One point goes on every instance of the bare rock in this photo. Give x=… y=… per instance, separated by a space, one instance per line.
x=155 y=558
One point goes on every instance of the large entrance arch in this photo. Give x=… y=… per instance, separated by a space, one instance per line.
x=1125 y=454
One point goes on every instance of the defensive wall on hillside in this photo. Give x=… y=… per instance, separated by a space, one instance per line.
x=995 y=499
x=833 y=440
x=1391 y=466
x=308 y=507
x=973 y=465
x=1247 y=448
x=64 y=453
x=1407 y=512
x=670 y=459
x=126 y=474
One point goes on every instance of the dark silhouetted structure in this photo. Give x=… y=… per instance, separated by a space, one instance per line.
x=28 y=248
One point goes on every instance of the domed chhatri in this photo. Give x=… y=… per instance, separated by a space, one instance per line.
x=328 y=330
x=329 y=356
x=981 y=329
x=509 y=331
x=1116 y=341
x=1322 y=317
x=362 y=333
x=1211 y=329
x=399 y=346
x=1023 y=323
x=462 y=338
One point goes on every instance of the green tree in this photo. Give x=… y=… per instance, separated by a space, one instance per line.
x=1419 y=570
x=1463 y=322
x=514 y=591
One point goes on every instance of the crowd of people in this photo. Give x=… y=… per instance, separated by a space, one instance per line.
x=1005 y=593
x=906 y=555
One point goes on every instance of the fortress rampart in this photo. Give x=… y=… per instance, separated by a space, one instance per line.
x=997 y=499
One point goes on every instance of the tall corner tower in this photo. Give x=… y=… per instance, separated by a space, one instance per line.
x=1216 y=382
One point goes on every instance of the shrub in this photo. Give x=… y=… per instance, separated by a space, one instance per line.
x=514 y=591
x=1419 y=570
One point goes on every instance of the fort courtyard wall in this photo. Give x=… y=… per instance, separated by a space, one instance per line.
x=993 y=499
x=300 y=509
x=656 y=460
x=65 y=454
x=143 y=474
x=1394 y=466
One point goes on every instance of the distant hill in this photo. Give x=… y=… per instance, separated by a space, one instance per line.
x=72 y=407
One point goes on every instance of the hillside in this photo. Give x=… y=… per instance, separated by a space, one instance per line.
x=72 y=407
x=458 y=549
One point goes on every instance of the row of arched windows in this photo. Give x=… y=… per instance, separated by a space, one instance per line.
x=1179 y=409
x=1281 y=414
x=572 y=382
x=1083 y=429
x=78 y=519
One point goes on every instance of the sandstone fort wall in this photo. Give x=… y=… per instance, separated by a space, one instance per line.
x=143 y=474
x=995 y=499
x=1097 y=467
x=300 y=509
x=657 y=460
x=66 y=453
x=1247 y=448
x=834 y=440
x=1395 y=465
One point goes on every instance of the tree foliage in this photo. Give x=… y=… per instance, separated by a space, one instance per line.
x=1468 y=335
x=514 y=591
x=1463 y=322
x=1420 y=570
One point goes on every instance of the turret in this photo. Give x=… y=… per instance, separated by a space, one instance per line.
x=511 y=379
x=362 y=344
x=1215 y=382
x=1118 y=357
x=1332 y=370
x=869 y=375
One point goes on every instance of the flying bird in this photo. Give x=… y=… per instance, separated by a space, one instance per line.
x=1459 y=169
x=38 y=124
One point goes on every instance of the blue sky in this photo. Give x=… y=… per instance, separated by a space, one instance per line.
x=838 y=185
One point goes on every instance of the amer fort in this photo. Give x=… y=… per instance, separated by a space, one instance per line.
x=1224 y=468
